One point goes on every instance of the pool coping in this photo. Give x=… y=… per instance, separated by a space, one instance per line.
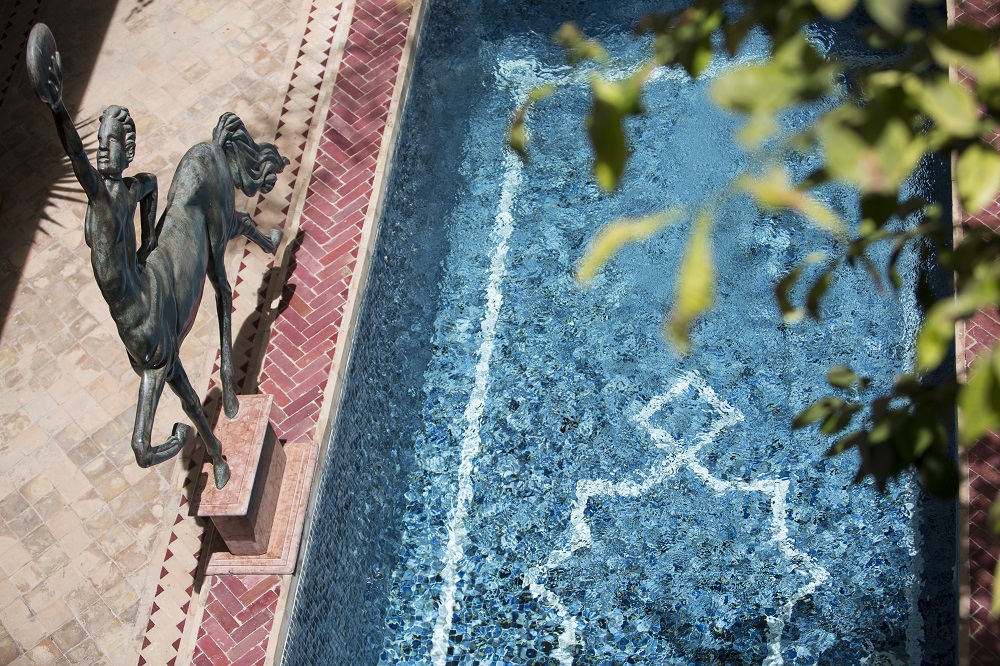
x=342 y=355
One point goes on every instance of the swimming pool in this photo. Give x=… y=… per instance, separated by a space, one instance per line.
x=522 y=472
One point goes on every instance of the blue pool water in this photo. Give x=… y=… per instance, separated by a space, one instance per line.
x=523 y=472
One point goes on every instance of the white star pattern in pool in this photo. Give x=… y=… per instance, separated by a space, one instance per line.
x=680 y=454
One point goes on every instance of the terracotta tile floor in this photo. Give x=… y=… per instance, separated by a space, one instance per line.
x=98 y=558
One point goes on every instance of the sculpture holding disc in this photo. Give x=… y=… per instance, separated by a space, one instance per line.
x=154 y=287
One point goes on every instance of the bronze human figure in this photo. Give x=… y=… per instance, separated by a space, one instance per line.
x=154 y=290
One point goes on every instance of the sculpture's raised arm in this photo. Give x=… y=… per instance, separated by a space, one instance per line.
x=45 y=72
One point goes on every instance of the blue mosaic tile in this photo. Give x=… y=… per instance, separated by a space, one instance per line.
x=523 y=472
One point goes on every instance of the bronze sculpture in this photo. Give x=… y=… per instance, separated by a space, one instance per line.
x=154 y=290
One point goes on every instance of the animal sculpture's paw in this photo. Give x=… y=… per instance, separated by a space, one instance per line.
x=221 y=470
x=276 y=235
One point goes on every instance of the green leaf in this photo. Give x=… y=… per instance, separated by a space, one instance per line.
x=776 y=191
x=936 y=335
x=995 y=591
x=978 y=176
x=617 y=235
x=612 y=101
x=819 y=410
x=840 y=376
x=835 y=9
x=789 y=312
x=952 y=107
x=977 y=400
x=695 y=287
x=517 y=135
x=578 y=48
x=993 y=517
x=889 y=14
x=817 y=291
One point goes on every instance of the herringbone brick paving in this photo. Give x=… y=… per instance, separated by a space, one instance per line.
x=304 y=335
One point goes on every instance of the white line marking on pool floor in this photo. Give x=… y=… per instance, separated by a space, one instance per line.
x=502 y=228
x=579 y=535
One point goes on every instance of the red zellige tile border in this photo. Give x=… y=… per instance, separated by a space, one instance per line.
x=304 y=335
x=175 y=601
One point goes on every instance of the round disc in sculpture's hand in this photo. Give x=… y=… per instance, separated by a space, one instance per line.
x=44 y=68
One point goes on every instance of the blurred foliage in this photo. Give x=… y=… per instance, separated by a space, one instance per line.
x=887 y=118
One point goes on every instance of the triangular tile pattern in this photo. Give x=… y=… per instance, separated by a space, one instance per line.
x=984 y=458
x=15 y=27
x=304 y=334
x=249 y=276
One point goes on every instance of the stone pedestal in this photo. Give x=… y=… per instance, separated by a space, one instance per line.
x=259 y=515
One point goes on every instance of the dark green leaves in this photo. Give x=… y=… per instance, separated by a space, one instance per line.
x=612 y=102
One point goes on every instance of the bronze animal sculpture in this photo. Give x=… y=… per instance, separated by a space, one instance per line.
x=154 y=291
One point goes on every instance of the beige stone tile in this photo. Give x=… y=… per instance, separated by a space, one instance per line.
x=115 y=540
x=141 y=522
x=63 y=389
x=120 y=597
x=69 y=436
x=14 y=558
x=97 y=468
x=55 y=615
x=82 y=598
x=38 y=541
x=111 y=485
x=74 y=487
x=12 y=505
x=95 y=617
x=45 y=654
x=65 y=580
x=25 y=523
x=84 y=452
x=7 y=593
x=40 y=598
x=105 y=577
x=52 y=560
x=51 y=503
x=99 y=523
x=36 y=489
x=151 y=486
x=131 y=559
x=87 y=504
x=14 y=614
x=31 y=438
x=86 y=653
x=112 y=637
x=7 y=538
x=29 y=634
x=76 y=540
x=8 y=650
x=90 y=559
x=63 y=522
x=69 y=636
x=27 y=577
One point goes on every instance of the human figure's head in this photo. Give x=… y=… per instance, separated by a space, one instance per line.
x=116 y=141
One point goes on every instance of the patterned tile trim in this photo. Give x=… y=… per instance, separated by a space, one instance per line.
x=338 y=212
x=16 y=26
x=176 y=608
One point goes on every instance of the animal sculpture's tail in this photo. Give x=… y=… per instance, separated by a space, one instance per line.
x=254 y=166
